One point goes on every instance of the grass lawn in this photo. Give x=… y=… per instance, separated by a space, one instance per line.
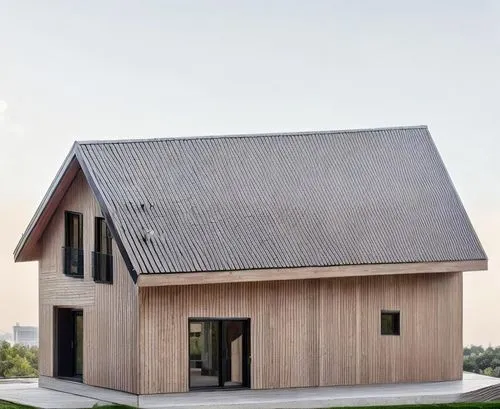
x=9 y=405
x=478 y=405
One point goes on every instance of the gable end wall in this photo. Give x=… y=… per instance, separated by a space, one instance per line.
x=110 y=311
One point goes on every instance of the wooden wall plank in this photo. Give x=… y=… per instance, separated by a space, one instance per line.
x=312 y=332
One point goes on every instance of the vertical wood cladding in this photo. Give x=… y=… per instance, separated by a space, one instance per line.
x=312 y=332
x=109 y=311
x=303 y=332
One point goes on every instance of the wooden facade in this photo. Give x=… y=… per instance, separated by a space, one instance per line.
x=110 y=311
x=312 y=332
x=303 y=332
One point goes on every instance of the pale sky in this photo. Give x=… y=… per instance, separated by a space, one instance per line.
x=116 y=69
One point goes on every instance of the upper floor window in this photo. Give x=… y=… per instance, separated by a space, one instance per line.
x=103 y=253
x=73 y=244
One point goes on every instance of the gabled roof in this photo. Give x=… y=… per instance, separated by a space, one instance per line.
x=277 y=200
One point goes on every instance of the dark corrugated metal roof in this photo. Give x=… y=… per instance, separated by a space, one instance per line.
x=281 y=200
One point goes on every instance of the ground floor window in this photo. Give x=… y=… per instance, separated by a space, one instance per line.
x=389 y=323
x=219 y=353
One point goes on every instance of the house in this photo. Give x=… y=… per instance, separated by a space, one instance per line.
x=258 y=261
x=25 y=335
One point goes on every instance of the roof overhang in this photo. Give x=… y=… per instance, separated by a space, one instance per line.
x=28 y=248
x=279 y=274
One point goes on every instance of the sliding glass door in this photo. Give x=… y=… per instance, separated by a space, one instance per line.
x=204 y=353
x=219 y=353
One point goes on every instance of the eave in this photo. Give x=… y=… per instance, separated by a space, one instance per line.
x=28 y=248
x=279 y=274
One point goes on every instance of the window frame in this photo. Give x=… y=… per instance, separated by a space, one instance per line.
x=67 y=236
x=98 y=255
x=98 y=224
x=68 y=247
x=396 y=323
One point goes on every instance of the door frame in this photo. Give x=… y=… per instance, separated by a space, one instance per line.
x=246 y=353
x=70 y=336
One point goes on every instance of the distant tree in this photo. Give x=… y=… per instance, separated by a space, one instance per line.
x=488 y=372
x=18 y=360
x=5 y=361
x=473 y=350
x=20 y=367
x=482 y=361
x=470 y=364
x=32 y=357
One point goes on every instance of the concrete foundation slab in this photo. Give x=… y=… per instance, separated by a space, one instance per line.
x=27 y=392
x=71 y=395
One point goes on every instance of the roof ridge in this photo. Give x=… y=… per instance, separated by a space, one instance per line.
x=250 y=135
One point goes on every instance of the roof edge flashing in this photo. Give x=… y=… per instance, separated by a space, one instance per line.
x=251 y=135
x=44 y=202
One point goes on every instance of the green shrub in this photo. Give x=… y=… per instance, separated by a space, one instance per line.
x=482 y=361
x=18 y=361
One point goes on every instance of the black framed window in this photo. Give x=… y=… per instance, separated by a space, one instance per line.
x=390 y=323
x=103 y=253
x=73 y=244
x=73 y=230
x=103 y=238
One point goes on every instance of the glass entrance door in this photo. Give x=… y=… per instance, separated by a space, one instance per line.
x=219 y=353
x=68 y=343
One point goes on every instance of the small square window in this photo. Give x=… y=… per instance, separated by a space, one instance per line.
x=389 y=323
